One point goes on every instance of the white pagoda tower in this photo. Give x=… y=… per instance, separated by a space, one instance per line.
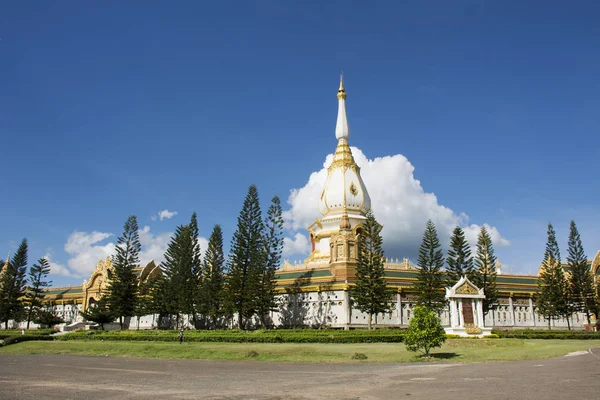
x=344 y=193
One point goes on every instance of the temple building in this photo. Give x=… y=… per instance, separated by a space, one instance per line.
x=317 y=291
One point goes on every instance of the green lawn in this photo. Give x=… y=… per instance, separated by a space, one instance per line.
x=454 y=350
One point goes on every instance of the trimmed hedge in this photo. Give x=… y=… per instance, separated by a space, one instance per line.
x=23 y=338
x=237 y=336
x=547 y=334
x=4 y=333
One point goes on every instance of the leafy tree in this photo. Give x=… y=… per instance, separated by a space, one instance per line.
x=37 y=286
x=246 y=259
x=46 y=318
x=12 y=286
x=99 y=313
x=212 y=277
x=551 y=281
x=430 y=281
x=424 y=331
x=122 y=290
x=273 y=246
x=485 y=279
x=581 y=280
x=459 y=260
x=370 y=294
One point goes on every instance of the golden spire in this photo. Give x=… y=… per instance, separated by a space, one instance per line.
x=341 y=94
x=6 y=262
x=345 y=224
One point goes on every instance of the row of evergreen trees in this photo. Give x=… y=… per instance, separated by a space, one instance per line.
x=22 y=293
x=559 y=293
x=372 y=296
x=208 y=291
x=564 y=291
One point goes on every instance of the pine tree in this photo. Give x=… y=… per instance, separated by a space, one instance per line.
x=246 y=259
x=212 y=277
x=485 y=262
x=430 y=281
x=37 y=286
x=460 y=261
x=551 y=281
x=581 y=281
x=370 y=294
x=273 y=246
x=122 y=290
x=12 y=286
x=99 y=313
x=178 y=289
x=194 y=274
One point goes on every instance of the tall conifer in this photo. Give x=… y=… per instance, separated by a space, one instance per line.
x=581 y=280
x=12 y=286
x=370 y=294
x=122 y=290
x=430 y=281
x=178 y=290
x=551 y=281
x=459 y=260
x=212 y=277
x=273 y=246
x=37 y=286
x=485 y=262
x=246 y=259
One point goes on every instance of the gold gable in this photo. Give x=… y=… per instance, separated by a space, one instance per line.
x=465 y=288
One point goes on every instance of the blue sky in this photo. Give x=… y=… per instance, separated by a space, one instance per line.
x=114 y=109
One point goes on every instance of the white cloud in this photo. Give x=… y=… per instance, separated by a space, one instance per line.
x=472 y=233
x=87 y=249
x=56 y=268
x=153 y=246
x=398 y=201
x=166 y=214
x=299 y=244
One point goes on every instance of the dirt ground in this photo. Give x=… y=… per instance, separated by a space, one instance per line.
x=80 y=377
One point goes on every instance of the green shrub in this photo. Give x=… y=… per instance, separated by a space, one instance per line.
x=251 y=354
x=24 y=338
x=546 y=334
x=425 y=331
x=359 y=356
x=238 y=336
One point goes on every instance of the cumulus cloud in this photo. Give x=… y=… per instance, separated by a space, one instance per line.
x=86 y=249
x=299 y=244
x=164 y=214
x=56 y=268
x=398 y=200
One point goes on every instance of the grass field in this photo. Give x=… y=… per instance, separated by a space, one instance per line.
x=454 y=350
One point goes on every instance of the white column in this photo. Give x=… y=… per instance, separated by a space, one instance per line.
x=399 y=307
x=480 y=321
x=348 y=309
x=454 y=322
x=532 y=312
x=461 y=317
x=511 y=310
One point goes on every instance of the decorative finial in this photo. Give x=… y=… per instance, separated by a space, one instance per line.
x=345 y=224
x=341 y=91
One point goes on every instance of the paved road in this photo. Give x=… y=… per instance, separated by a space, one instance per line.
x=79 y=377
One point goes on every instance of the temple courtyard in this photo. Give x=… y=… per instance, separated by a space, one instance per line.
x=76 y=377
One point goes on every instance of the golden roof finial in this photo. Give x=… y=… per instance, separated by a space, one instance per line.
x=6 y=262
x=341 y=91
x=345 y=223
